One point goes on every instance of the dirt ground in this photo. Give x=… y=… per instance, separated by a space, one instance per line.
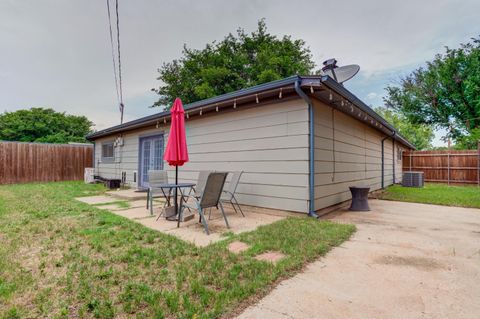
x=405 y=261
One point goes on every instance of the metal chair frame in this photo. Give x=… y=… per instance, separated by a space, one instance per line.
x=210 y=197
x=230 y=192
x=155 y=179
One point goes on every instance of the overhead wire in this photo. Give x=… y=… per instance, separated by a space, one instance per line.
x=119 y=63
x=113 y=52
x=117 y=72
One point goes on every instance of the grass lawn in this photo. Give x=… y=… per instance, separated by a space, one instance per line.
x=440 y=194
x=61 y=258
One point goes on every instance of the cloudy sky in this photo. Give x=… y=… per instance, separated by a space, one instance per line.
x=57 y=53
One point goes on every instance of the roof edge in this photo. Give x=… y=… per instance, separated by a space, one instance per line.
x=195 y=105
x=325 y=80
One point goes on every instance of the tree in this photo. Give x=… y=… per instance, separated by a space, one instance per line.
x=445 y=93
x=470 y=141
x=43 y=125
x=234 y=63
x=420 y=135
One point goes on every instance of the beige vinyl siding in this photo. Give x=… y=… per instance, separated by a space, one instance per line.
x=347 y=153
x=269 y=143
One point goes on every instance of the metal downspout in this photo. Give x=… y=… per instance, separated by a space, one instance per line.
x=93 y=160
x=393 y=155
x=383 y=161
x=311 y=146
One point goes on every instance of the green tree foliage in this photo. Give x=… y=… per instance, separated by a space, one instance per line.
x=236 y=62
x=420 y=135
x=43 y=125
x=470 y=141
x=445 y=93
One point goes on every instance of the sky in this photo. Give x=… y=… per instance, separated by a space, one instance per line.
x=57 y=53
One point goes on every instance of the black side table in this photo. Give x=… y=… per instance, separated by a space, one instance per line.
x=359 y=198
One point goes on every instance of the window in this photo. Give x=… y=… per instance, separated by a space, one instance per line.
x=107 y=152
x=399 y=154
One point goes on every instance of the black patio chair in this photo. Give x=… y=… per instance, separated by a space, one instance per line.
x=209 y=197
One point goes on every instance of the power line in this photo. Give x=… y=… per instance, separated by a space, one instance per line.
x=113 y=53
x=117 y=74
x=119 y=64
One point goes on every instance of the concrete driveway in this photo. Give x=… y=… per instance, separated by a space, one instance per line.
x=405 y=261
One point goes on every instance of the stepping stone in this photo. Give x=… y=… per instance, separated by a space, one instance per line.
x=270 y=256
x=237 y=247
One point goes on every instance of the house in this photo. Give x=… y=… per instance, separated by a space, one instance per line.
x=301 y=142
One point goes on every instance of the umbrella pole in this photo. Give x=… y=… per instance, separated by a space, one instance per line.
x=176 y=201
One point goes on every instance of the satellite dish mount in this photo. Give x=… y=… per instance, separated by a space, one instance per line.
x=339 y=74
x=329 y=66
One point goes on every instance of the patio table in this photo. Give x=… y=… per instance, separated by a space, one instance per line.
x=172 y=186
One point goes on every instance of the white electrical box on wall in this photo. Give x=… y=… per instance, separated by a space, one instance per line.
x=118 y=141
x=88 y=175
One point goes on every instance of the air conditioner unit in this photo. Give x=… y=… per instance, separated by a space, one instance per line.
x=413 y=179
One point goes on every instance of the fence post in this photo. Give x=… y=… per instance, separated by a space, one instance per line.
x=478 y=164
x=448 y=167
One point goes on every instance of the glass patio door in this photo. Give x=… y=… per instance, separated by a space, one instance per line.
x=151 y=156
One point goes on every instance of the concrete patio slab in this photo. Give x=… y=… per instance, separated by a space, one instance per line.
x=111 y=207
x=134 y=213
x=128 y=194
x=131 y=204
x=162 y=224
x=194 y=232
x=406 y=260
x=139 y=203
x=95 y=200
x=191 y=230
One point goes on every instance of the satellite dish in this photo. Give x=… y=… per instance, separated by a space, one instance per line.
x=339 y=74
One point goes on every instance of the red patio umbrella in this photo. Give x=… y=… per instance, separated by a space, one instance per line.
x=176 y=152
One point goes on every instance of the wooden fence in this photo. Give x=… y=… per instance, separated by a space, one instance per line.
x=461 y=167
x=36 y=162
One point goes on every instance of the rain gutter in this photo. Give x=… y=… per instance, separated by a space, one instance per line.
x=311 y=147
x=152 y=119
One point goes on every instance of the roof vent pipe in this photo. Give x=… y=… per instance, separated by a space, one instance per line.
x=311 y=147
